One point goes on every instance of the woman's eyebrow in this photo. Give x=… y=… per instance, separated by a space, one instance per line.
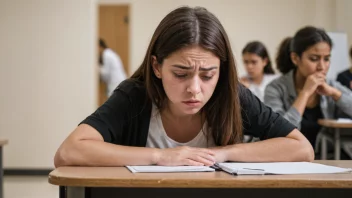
x=190 y=67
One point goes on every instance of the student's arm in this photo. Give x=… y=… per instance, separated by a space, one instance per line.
x=86 y=147
x=273 y=98
x=341 y=94
x=293 y=147
x=281 y=141
x=91 y=143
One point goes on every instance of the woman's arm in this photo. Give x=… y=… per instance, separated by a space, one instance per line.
x=273 y=98
x=293 y=147
x=86 y=147
x=343 y=97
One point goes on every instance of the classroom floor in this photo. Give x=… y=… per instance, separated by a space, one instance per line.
x=29 y=187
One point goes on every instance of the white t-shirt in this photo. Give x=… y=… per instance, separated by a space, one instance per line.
x=112 y=71
x=258 y=90
x=157 y=137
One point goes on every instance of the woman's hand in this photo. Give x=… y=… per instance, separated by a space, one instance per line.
x=220 y=153
x=328 y=90
x=312 y=83
x=185 y=155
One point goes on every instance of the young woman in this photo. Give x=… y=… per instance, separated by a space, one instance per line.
x=183 y=106
x=259 y=69
x=303 y=94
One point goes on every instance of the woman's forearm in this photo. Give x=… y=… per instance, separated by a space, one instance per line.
x=301 y=102
x=98 y=153
x=271 y=150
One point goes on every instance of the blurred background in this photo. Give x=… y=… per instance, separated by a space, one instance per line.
x=49 y=78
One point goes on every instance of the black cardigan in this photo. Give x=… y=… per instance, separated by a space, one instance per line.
x=124 y=118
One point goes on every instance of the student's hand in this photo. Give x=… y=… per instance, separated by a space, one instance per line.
x=245 y=81
x=185 y=155
x=351 y=84
x=221 y=153
x=328 y=90
x=312 y=83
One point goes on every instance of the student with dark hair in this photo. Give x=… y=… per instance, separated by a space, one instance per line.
x=183 y=106
x=303 y=94
x=345 y=77
x=112 y=71
x=259 y=68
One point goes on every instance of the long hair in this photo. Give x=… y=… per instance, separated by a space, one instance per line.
x=303 y=39
x=259 y=49
x=184 y=27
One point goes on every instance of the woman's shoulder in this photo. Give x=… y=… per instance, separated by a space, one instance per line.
x=272 y=76
x=133 y=88
x=130 y=85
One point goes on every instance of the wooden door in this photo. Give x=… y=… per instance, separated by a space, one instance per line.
x=114 y=29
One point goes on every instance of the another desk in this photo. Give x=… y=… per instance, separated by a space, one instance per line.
x=108 y=182
x=336 y=126
x=2 y=143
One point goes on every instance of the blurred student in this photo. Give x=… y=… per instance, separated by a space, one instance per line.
x=345 y=77
x=303 y=94
x=259 y=68
x=111 y=71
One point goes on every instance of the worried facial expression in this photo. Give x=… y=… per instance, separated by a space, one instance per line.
x=189 y=77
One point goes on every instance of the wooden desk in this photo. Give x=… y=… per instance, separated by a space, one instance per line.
x=2 y=143
x=111 y=182
x=336 y=126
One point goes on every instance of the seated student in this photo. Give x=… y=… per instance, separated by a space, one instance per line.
x=259 y=69
x=345 y=77
x=183 y=106
x=303 y=94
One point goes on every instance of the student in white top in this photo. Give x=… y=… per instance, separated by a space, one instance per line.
x=258 y=66
x=111 y=71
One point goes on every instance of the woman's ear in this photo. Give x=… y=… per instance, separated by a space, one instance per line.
x=156 y=67
x=266 y=61
x=294 y=58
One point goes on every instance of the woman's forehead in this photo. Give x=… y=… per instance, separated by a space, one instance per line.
x=194 y=54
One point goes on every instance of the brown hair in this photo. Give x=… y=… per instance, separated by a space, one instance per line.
x=304 y=38
x=184 y=27
x=258 y=48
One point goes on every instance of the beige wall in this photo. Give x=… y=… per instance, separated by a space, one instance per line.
x=344 y=18
x=47 y=58
x=266 y=20
x=47 y=76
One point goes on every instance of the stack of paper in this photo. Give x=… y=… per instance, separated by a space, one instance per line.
x=282 y=168
x=344 y=120
x=168 y=169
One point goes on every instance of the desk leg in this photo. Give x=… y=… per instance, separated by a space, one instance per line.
x=1 y=175
x=324 y=149
x=72 y=192
x=337 y=144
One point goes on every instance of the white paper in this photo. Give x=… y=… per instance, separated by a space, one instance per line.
x=344 y=120
x=281 y=168
x=168 y=169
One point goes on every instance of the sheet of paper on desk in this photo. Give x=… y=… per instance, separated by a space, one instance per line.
x=281 y=168
x=344 y=120
x=168 y=169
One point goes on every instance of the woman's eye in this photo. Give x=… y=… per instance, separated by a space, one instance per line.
x=207 y=77
x=180 y=75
